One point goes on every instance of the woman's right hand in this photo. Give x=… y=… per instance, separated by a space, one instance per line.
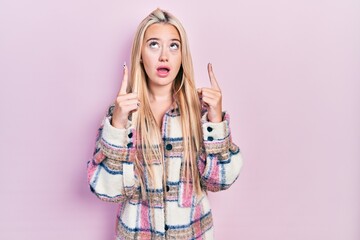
x=125 y=103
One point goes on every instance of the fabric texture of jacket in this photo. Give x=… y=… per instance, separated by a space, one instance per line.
x=171 y=211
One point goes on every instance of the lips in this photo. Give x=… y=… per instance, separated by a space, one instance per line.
x=163 y=71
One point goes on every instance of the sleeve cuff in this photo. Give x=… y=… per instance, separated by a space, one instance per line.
x=116 y=137
x=216 y=135
x=215 y=131
x=117 y=143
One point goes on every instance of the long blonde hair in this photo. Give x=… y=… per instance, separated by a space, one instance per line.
x=185 y=93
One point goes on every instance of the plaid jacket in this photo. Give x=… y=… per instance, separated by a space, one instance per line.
x=171 y=211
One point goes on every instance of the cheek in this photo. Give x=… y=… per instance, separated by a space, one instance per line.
x=148 y=58
x=177 y=65
x=178 y=60
x=146 y=63
x=147 y=69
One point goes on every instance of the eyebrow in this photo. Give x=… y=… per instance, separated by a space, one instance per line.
x=157 y=39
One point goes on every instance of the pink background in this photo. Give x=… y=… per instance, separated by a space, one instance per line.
x=289 y=72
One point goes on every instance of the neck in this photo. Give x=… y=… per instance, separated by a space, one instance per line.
x=160 y=94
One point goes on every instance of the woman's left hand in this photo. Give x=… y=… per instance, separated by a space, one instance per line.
x=211 y=98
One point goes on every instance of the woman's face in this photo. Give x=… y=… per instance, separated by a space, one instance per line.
x=161 y=54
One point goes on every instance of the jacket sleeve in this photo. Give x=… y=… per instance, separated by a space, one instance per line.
x=221 y=161
x=111 y=170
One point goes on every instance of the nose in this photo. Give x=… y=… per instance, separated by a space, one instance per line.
x=163 y=55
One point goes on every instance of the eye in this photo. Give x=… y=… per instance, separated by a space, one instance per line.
x=154 y=44
x=174 y=46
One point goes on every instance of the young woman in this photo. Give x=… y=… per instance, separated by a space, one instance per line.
x=164 y=143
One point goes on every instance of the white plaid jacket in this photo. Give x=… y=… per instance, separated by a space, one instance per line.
x=171 y=211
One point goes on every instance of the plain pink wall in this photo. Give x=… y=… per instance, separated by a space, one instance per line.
x=290 y=76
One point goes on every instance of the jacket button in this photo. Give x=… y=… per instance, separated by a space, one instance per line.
x=209 y=129
x=167 y=188
x=130 y=135
x=210 y=138
x=168 y=147
x=129 y=145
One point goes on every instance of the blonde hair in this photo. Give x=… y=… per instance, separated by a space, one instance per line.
x=185 y=93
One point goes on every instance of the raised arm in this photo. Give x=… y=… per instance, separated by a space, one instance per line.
x=111 y=171
x=221 y=161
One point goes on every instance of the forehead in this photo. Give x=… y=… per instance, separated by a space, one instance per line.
x=162 y=31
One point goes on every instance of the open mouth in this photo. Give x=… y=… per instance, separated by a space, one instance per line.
x=163 y=70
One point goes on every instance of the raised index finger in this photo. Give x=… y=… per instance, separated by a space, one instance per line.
x=214 y=83
x=124 y=82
